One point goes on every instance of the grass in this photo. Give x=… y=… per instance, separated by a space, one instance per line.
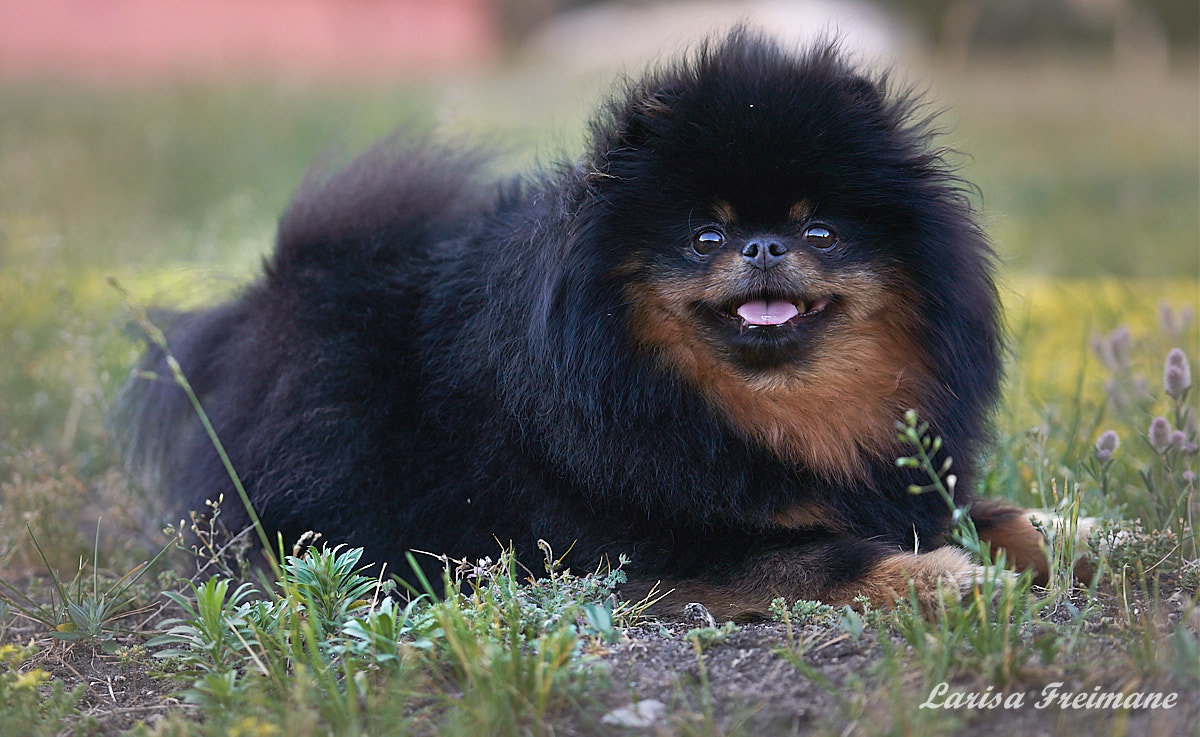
x=73 y=613
x=494 y=657
x=1093 y=208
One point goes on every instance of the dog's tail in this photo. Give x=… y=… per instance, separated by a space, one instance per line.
x=347 y=268
x=154 y=422
x=390 y=203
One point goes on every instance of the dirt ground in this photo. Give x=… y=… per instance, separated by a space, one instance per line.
x=755 y=689
x=658 y=684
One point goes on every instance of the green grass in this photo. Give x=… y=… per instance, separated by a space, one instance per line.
x=1084 y=172
x=496 y=656
x=1090 y=185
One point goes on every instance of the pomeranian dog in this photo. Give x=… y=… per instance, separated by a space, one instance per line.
x=691 y=347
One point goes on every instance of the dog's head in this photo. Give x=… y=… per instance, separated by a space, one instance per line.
x=789 y=242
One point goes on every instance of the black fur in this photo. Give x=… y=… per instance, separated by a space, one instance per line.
x=435 y=360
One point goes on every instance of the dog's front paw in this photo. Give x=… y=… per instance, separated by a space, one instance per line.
x=1054 y=525
x=992 y=578
x=929 y=577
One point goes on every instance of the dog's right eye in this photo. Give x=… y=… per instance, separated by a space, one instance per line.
x=820 y=237
x=707 y=241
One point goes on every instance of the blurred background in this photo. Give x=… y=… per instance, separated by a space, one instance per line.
x=157 y=141
x=138 y=132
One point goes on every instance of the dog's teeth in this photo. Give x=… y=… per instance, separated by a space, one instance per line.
x=802 y=306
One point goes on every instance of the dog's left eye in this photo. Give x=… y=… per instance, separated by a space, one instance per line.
x=707 y=241
x=819 y=236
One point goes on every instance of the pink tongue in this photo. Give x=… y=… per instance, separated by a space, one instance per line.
x=762 y=312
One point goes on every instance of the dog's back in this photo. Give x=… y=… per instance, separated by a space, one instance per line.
x=270 y=367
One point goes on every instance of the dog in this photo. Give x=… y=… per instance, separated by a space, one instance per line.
x=691 y=346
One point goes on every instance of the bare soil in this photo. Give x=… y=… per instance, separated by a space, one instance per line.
x=740 y=685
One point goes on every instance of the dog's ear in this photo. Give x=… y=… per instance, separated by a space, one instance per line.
x=633 y=123
x=645 y=111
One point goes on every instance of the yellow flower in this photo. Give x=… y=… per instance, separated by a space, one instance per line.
x=31 y=679
x=251 y=727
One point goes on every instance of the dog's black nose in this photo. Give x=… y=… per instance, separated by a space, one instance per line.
x=764 y=253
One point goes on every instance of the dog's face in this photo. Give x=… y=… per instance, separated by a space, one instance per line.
x=769 y=298
x=768 y=252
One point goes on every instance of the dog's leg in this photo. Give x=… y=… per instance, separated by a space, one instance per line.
x=1012 y=530
x=835 y=571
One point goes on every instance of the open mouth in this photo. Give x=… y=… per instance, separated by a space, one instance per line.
x=773 y=313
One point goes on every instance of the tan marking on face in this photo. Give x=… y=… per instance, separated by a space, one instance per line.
x=801 y=211
x=831 y=415
x=724 y=213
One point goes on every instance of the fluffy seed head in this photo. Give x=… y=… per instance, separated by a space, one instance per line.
x=1177 y=374
x=1160 y=433
x=1113 y=349
x=1174 y=322
x=1108 y=443
x=1178 y=440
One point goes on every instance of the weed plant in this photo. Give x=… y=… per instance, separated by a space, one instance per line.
x=33 y=704
x=73 y=613
x=495 y=655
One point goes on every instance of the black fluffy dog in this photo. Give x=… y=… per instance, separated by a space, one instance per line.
x=690 y=347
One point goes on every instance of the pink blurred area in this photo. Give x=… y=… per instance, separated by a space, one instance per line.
x=139 y=39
